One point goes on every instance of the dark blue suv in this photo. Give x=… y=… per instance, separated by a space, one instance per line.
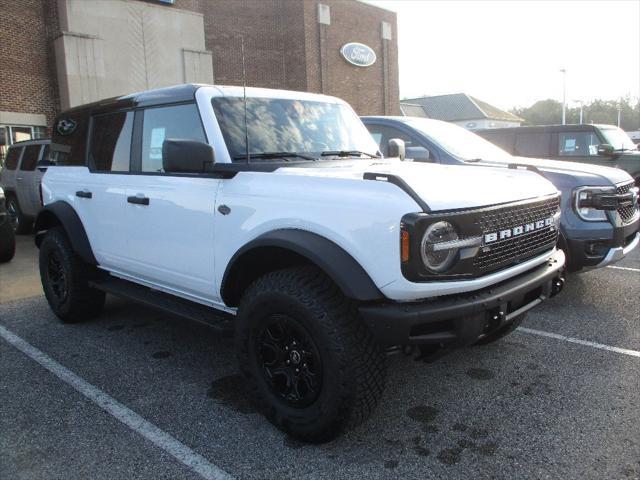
x=600 y=215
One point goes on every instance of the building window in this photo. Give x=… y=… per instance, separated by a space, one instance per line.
x=10 y=134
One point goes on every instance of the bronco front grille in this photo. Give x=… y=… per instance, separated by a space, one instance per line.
x=521 y=247
x=627 y=212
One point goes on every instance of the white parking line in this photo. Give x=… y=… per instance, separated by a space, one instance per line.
x=624 y=351
x=131 y=419
x=625 y=268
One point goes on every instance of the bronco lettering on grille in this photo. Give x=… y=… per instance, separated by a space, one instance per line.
x=519 y=230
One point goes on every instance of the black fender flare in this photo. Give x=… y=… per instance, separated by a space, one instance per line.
x=61 y=213
x=332 y=259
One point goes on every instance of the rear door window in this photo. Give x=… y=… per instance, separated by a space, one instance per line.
x=30 y=158
x=111 y=142
x=532 y=144
x=160 y=123
x=12 y=158
x=578 y=144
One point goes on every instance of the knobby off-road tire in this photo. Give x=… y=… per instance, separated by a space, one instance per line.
x=501 y=332
x=299 y=315
x=65 y=280
x=20 y=223
x=7 y=241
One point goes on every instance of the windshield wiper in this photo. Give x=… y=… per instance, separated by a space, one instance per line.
x=474 y=160
x=268 y=155
x=346 y=153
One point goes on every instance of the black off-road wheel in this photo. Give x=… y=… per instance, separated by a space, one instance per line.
x=312 y=366
x=501 y=332
x=19 y=222
x=65 y=280
x=7 y=241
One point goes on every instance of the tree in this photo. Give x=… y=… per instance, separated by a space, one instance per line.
x=549 y=112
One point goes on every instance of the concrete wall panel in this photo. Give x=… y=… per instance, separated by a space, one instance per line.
x=114 y=47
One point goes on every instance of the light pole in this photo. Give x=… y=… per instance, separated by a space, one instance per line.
x=581 y=102
x=564 y=95
x=619 y=111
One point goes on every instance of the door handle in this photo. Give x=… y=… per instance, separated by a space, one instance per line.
x=83 y=194
x=138 y=200
x=19 y=179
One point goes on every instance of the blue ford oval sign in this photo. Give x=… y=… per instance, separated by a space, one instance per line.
x=358 y=54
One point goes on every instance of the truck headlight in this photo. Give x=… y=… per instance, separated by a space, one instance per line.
x=438 y=253
x=584 y=201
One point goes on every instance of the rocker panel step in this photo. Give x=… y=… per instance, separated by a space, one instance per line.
x=221 y=321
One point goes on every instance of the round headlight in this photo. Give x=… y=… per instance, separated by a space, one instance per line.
x=436 y=255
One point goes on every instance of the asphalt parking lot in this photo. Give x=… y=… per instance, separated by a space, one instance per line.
x=161 y=397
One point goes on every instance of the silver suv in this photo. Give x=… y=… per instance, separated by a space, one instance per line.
x=20 y=178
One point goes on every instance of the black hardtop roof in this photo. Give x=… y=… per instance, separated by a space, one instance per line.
x=158 y=96
x=549 y=128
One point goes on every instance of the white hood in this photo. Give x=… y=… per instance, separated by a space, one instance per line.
x=444 y=187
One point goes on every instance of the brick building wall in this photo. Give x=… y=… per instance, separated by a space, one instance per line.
x=285 y=47
x=372 y=90
x=27 y=73
x=283 y=42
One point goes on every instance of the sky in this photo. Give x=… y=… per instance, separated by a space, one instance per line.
x=510 y=53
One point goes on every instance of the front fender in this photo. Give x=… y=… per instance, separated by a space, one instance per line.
x=332 y=259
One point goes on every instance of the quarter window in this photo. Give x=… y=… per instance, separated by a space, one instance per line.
x=12 y=158
x=532 y=144
x=30 y=158
x=111 y=142
x=578 y=144
x=504 y=140
x=175 y=122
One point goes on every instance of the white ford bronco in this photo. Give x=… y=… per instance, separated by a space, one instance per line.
x=276 y=210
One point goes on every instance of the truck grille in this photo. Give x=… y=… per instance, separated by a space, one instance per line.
x=521 y=247
x=626 y=213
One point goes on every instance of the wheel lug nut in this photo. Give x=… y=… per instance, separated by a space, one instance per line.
x=297 y=370
x=288 y=362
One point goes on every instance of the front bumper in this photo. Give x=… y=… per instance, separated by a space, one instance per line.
x=618 y=253
x=457 y=320
x=600 y=250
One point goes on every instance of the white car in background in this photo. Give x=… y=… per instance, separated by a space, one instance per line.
x=20 y=178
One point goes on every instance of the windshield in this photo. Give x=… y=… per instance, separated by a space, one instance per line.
x=459 y=142
x=295 y=126
x=618 y=139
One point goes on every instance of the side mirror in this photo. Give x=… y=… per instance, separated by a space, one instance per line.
x=186 y=156
x=605 y=150
x=420 y=154
x=396 y=148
